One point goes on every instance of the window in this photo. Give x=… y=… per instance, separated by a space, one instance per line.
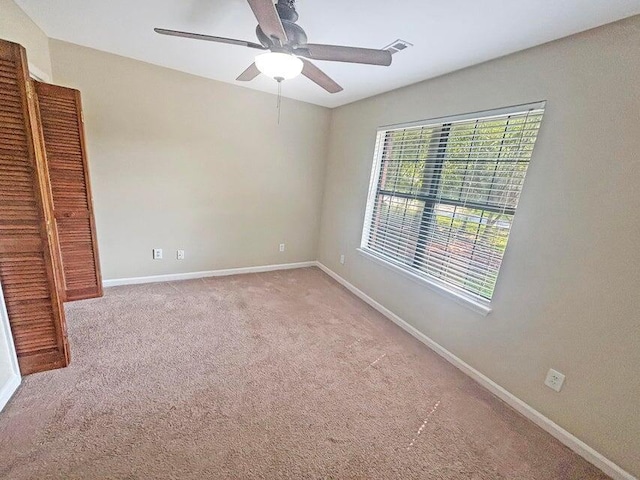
x=444 y=193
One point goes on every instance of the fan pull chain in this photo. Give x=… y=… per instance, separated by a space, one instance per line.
x=279 y=103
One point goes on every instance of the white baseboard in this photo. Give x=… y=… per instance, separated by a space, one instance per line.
x=575 y=444
x=8 y=389
x=209 y=273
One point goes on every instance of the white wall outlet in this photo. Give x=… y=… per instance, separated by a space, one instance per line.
x=342 y=259
x=282 y=247
x=554 y=380
x=180 y=254
x=157 y=254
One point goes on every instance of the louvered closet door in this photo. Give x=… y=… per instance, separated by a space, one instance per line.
x=26 y=244
x=61 y=120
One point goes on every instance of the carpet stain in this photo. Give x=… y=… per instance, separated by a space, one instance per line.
x=424 y=424
x=374 y=362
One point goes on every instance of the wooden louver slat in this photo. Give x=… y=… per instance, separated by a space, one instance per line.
x=62 y=129
x=28 y=259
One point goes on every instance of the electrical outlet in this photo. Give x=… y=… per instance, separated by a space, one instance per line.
x=180 y=255
x=282 y=247
x=342 y=259
x=554 y=380
x=157 y=254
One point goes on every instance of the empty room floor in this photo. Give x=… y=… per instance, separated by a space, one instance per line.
x=274 y=375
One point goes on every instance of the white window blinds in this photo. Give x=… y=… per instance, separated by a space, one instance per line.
x=443 y=195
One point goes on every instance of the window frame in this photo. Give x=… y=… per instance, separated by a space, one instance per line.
x=459 y=294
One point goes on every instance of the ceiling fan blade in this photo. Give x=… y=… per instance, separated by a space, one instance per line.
x=317 y=76
x=268 y=19
x=249 y=74
x=338 y=53
x=209 y=38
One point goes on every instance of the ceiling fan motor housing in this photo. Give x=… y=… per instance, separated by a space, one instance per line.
x=288 y=15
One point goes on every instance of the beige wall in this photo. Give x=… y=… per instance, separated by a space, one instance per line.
x=17 y=27
x=182 y=162
x=567 y=296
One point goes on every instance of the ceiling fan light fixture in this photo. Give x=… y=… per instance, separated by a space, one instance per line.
x=280 y=66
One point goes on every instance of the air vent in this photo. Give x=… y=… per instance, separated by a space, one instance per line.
x=397 y=46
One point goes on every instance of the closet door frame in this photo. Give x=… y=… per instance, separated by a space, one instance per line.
x=12 y=383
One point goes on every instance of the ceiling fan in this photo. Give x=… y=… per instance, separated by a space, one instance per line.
x=289 y=51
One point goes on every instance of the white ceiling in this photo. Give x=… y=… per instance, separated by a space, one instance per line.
x=447 y=35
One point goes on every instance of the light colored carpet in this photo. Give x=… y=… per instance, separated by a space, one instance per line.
x=274 y=375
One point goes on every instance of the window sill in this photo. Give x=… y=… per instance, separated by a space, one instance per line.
x=459 y=297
